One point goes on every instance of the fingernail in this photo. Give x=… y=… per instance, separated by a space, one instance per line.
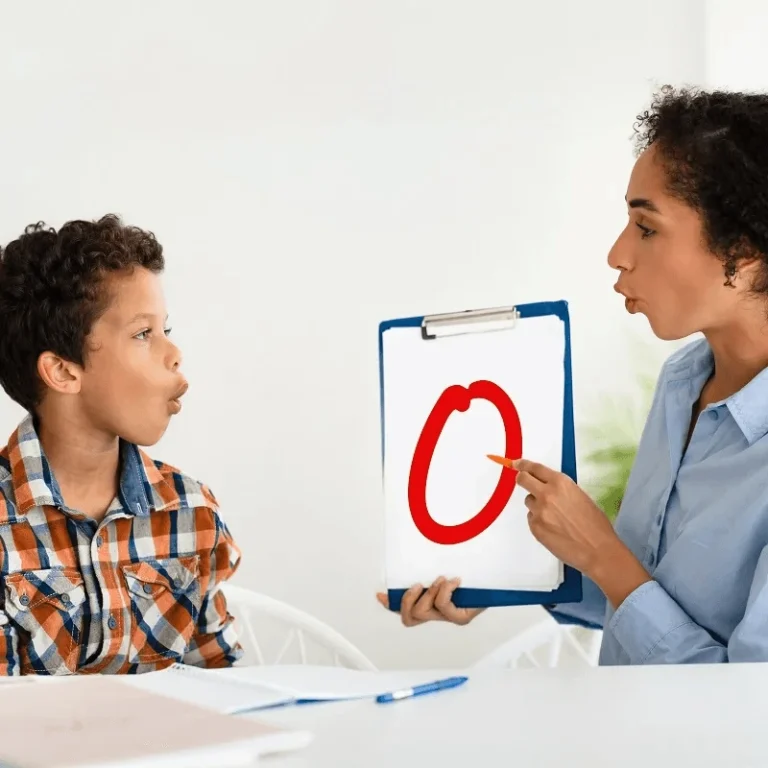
x=416 y=588
x=439 y=579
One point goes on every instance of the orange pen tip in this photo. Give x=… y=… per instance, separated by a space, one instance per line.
x=501 y=460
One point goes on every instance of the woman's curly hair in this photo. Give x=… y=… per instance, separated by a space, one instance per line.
x=714 y=147
x=52 y=291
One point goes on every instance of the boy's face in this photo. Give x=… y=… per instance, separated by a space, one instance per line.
x=131 y=383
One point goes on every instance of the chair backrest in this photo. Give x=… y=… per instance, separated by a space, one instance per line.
x=546 y=644
x=273 y=632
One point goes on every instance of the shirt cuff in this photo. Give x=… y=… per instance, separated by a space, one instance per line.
x=645 y=618
x=588 y=612
x=561 y=615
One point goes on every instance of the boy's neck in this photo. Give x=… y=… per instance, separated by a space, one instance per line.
x=85 y=463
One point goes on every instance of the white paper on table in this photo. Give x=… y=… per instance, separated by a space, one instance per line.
x=327 y=683
x=205 y=688
x=527 y=362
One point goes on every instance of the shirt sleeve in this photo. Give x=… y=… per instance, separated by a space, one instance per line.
x=590 y=612
x=653 y=629
x=9 y=641
x=215 y=643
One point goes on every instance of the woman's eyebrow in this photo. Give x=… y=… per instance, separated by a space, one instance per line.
x=644 y=203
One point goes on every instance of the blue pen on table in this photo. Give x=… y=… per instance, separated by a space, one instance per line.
x=420 y=690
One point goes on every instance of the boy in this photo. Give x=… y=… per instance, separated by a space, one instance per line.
x=109 y=562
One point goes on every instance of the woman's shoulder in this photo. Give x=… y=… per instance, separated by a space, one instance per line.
x=684 y=363
x=683 y=360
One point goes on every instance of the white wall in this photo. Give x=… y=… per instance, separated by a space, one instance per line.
x=313 y=168
x=737 y=57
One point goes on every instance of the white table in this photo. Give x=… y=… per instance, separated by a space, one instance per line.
x=618 y=717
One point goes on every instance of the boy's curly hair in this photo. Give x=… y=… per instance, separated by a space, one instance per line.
x=52 y=291
x=714 y=147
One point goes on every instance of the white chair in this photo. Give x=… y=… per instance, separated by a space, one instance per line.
x=308 y=638
x=546 y=644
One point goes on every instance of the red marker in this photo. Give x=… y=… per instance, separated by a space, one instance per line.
x=507 y=463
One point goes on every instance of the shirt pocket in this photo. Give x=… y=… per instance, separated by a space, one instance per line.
x=165 y=603
x=48 y=605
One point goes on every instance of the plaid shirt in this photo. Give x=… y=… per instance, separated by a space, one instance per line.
x=135 y=592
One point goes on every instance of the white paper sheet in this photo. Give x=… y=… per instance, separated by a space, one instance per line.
x=327 y=683
x=206 y=689
x=527 y=363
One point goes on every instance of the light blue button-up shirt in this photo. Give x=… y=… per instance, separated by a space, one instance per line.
x=698 y=522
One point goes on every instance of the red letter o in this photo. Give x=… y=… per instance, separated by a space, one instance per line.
x=457 y=398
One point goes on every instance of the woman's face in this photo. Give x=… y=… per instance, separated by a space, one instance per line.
x=667 y=272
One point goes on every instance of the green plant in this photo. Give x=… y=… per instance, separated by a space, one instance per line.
x=613 y=441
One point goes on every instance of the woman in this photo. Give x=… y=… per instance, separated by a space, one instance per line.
x=683 y=576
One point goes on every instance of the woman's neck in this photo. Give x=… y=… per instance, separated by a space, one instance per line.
x=741 y=352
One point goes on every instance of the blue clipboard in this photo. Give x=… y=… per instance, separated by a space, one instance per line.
x=570 y=591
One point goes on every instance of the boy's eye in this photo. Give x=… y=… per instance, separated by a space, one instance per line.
x=147 y=332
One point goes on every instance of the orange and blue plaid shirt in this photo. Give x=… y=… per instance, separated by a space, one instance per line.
x=133 y=593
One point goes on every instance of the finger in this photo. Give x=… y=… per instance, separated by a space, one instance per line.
x=383 y=598
x=537 y=528
x=444 y=598
x=444 y=604
x=531 y=483
x=444 y=601
x=539 y=471
x=424 y=609
x=407 y=603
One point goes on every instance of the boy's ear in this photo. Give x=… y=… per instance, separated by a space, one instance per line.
x=58 y=374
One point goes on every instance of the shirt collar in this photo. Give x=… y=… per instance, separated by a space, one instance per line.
x=748 y=406
x=143 y=488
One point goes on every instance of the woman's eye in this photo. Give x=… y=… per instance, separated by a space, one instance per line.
x=143 y=335
x=646 y=231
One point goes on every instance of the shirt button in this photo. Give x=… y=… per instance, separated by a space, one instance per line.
x=99 y=541
x=24 y=599
x=112 y=623
x=651 y=558
x=715 y=415
x=65 y=599
x=148 y=589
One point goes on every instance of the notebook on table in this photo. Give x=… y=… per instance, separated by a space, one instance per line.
x=100 y=722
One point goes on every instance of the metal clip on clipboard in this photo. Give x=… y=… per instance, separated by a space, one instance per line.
x=469 y=321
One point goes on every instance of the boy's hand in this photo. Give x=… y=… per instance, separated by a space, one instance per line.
x=419 y=606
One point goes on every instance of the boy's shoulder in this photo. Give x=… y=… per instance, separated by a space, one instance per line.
x=191 y=492
x=169 y=485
